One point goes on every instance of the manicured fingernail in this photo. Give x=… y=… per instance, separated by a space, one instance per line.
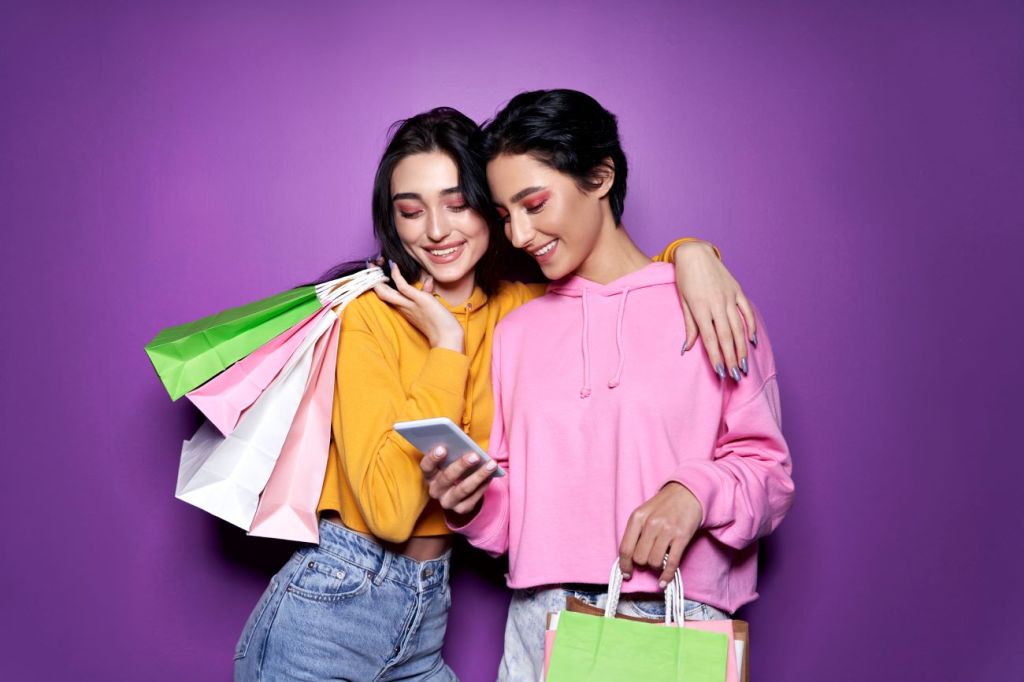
x=662 y=584
x=627 y=576
x=684 y=347
x=720 y=371
x=735 y=374
x=492 y=465
x=753 y=338
x=473 y=458
x=744 y=366
x=391 y=264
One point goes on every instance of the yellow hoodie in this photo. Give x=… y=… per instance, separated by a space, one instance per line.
x=387 y=373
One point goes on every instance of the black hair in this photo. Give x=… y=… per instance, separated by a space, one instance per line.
x=453 y=133
x=567 y=130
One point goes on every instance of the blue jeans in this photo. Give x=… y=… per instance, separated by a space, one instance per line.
x=348 y=609
x=527 y=620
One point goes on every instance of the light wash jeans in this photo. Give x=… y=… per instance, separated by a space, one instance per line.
x=527 y=620
x=348 y=609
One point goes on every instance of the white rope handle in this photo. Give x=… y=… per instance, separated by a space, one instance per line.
x=675 y=601
x=344 y=289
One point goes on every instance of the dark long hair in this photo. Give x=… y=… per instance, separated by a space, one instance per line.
x=453 y=133
x=565 y=129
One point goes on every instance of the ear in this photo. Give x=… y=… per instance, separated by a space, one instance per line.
x=604 y=173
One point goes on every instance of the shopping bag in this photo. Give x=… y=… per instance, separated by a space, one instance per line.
x=737 y=631
x=226 y=396
x=287 y=507
x=224 y=475
x=187 y=355
x=603 y=648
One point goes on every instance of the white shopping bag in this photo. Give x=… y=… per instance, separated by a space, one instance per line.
x=224 y=475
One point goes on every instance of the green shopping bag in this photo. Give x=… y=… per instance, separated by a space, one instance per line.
x=608 y=649
x=188 y=355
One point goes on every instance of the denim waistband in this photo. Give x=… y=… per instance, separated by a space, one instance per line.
x=382 y=563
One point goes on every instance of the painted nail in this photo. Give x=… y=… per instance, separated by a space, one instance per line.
x=627 y=576
x=662 y=584
x=753 y=339
x=735 y=374
x=492 y=465
x=744 y=366
x=720 y=371
x=391 y=264
x=684 y=347
x=473 y=458
x=440 y=453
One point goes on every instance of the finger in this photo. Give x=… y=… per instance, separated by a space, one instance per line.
x=642 y=553
x=628 y=544
x=430 y=463
x=725 y=341
x=739 y=338
x=709 y=339
x=659 y=549
x=675 y=555
x=748 y=316
x=468 y=504
x=428 y=284
x=458 y=469
x=391 y=297
x=464 y=496
x=691 y=328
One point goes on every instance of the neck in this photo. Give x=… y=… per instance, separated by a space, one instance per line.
x=458 y=292
x=613 y=256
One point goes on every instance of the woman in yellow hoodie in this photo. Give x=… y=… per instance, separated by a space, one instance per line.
x=370 y=601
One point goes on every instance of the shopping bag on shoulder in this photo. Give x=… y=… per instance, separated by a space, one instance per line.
x=224 y=475
x=287 y=507
x=187 y=355
x=592 y=648
x=224 y=398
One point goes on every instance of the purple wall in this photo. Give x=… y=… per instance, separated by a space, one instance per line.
x=856 y=163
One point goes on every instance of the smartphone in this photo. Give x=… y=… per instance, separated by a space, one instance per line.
x=427 y=434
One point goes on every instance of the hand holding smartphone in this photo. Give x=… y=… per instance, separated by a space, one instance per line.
x=427 y=434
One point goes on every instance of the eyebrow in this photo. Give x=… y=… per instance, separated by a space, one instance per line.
x=522 y=194
x=417 y=197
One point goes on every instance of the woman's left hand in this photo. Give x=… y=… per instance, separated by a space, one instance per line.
x=713 y=303
x=659 y=531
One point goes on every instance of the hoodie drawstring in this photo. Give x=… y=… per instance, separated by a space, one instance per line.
x=617 y=379
x=585 y=390
x=618 y=340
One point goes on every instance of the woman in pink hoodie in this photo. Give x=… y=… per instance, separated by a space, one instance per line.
x=615 y=444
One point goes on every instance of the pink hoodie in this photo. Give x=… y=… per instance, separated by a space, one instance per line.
x=595 y=410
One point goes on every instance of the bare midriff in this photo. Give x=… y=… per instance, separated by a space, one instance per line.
x=416 y=548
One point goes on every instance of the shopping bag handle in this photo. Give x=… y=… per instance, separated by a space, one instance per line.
x=344 y=289
x=675 y=603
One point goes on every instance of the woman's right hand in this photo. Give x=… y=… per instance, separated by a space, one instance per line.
x=457 y=487
x=423 y=311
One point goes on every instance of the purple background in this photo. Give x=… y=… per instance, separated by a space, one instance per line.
x=857 y=164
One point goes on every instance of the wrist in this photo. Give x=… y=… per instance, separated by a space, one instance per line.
x=695 y=247
x=452 y=340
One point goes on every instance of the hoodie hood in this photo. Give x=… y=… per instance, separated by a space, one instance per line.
x=655 y=274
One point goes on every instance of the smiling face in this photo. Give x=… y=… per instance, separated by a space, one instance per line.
x=436 y=226
x=546 y=213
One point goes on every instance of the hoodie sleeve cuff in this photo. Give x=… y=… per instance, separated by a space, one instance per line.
x=669 y=254
x=488 y=530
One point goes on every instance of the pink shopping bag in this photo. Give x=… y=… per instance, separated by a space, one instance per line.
x=287 y=508
x=224 y=398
